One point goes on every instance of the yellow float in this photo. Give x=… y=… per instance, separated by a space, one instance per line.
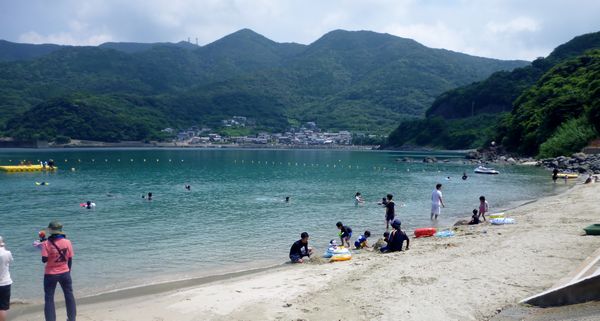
x=496 y=215
x=340 y=257
x=566 y=175
x=26 y=168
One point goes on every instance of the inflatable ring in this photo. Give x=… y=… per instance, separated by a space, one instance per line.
x=341 y=257
x=425 y=232
x=502 y=221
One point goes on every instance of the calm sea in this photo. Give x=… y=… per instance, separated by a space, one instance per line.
x=233 y=218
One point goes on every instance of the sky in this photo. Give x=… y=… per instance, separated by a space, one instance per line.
x=505 y=29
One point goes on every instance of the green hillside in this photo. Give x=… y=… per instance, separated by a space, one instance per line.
x=474 y=115
x=559 y=114
x=359 y=80
x=496 y=93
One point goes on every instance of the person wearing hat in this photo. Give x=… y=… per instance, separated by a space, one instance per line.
x=57 y=253
x=5 y=280
x=396 y=239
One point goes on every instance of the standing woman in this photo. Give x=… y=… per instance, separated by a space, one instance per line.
x=57 y=253
x=5 y=280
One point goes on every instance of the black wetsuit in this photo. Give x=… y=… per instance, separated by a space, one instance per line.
x=396 y=240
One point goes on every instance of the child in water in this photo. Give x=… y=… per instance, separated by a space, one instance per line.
x=361 y=242
x=345 y=233
x=483 y=206
x=358 y=199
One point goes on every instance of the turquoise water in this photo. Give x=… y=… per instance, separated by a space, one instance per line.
x=233 y=218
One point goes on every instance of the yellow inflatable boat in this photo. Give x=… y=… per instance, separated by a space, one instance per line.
x=26 y=168
x=567 y=175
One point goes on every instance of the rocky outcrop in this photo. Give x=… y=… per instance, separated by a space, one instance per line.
x=577 y=163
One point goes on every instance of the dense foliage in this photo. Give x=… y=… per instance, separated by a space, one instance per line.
x=438 y=132
x=562 y=87
x=361 y=81
x=497 y=93
x=568 y=91
x=571 y=136
x=88 y=118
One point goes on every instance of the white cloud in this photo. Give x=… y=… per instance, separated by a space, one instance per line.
x=520 y=24
x=506 y=29
x=64 y=38
x=436 y=35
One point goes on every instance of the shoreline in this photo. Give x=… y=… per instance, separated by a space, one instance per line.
x=23 y=308
x=284 y=272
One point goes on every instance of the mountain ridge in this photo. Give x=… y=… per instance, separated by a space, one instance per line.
x=353 y=80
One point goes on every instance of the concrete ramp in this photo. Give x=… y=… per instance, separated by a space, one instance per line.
x=582 y=285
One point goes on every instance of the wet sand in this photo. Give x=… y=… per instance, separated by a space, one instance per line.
x=470 y=276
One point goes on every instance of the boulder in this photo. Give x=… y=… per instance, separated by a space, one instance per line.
x=579 y=156
x=473 y=155
x=429 y=160
x=511 y=160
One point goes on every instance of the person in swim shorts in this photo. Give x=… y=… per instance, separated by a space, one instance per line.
x=437 y=201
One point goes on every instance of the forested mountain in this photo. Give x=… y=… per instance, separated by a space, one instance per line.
x=560 y=114
x=10 y=51
x=496 y=93
x=357 y=80
x=469 y=116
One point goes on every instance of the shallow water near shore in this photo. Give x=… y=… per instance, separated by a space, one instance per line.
x=234 y=217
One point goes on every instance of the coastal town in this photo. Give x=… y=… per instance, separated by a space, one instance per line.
x=308 y=134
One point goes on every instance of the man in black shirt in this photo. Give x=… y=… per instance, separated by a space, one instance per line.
x=300 y=249
x=390 y=211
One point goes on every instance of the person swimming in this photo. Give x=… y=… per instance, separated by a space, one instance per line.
x=149 y=197
x=464 y=177
x=188 y=187
x=287 y=199
x=89 y=205
x=358 y=199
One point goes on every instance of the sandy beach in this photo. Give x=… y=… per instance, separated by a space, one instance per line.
x=470 y=276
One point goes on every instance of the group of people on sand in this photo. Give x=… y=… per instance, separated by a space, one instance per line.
x=395 y=239
x=57 y=255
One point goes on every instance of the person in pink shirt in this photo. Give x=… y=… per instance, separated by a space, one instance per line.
x=484 y=207
x=57 y=253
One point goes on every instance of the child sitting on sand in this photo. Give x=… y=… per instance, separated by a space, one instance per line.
x=300 y=249
x=345 y=233
x=474 y=218
x=361 y=242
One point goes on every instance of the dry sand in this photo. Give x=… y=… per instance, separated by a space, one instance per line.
x=467 y=277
